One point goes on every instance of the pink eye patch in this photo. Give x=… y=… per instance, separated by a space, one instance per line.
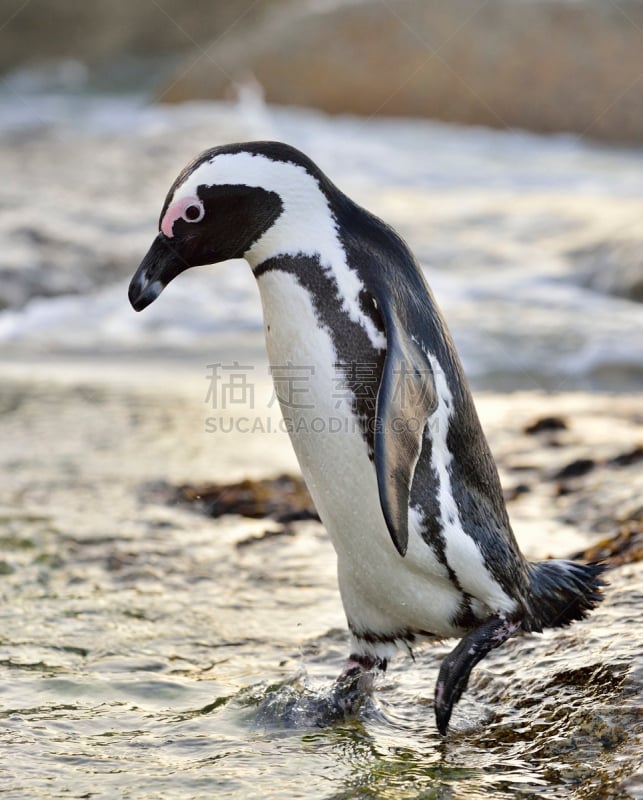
x=178 y=211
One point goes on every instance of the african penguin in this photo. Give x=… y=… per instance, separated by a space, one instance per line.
x=407 y=489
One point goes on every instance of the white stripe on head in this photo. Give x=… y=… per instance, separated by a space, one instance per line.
x=306 y=225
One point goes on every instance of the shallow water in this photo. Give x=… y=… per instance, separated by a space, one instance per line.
x=137 y=639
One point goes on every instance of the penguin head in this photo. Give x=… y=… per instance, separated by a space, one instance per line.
x=226 y=204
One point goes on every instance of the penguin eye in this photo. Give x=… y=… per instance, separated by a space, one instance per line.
x=193 y=213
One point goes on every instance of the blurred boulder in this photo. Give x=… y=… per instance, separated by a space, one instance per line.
x=612 y=267
x=542 y=65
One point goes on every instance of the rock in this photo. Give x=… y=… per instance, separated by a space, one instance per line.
x=628 y=458
x=546 y=424
x=576 y=469
x=612 y=267
x=284 y=499
x=546 y=66
x=516 y=491
x=582 y=466
x=626 y=547
x=286 y=530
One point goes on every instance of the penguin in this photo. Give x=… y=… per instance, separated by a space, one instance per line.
x=407 y=489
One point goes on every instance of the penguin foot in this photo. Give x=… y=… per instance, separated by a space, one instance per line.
x=456 y=667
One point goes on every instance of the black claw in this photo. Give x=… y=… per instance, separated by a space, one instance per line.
x=456 y=667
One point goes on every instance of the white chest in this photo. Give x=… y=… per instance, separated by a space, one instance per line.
x=380 y=589
x=324 y=432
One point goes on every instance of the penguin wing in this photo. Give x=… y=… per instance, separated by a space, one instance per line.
x=406 y=397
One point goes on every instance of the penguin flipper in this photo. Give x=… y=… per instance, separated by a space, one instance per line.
x=406 y=398
x=456 y=667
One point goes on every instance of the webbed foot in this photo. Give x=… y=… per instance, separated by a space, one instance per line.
x=456 y=667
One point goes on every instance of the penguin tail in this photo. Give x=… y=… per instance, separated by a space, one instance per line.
x=562 y=592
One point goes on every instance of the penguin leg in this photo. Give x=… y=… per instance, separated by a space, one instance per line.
x=355 y=681
x=456 y=667
x=363 y=663
x=359 y=671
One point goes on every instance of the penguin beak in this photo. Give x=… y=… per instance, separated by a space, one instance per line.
x=161 y=264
